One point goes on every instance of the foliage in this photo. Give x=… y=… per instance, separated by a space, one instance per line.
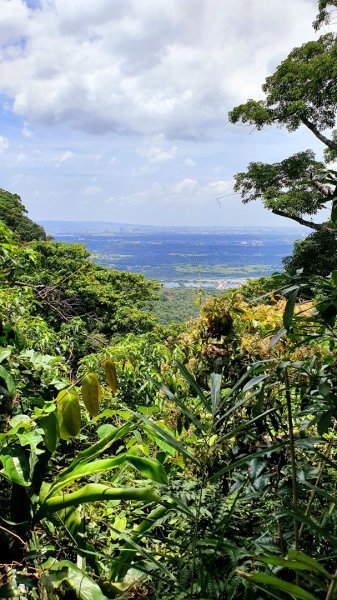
x=301 y=91
x=177 y=305
x=138 y=461
x=316 y=255
x=13 y=214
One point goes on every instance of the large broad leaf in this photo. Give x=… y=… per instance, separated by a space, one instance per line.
x=65 y=571
x=91 y=393
x=289 y=309
x=307 y=560
x=16 y=466
x=86 y=470
x=8 y=380
x=93 y=492
x=69 y=413
x=111 y=374
x=324 y=422
x=297 y=561
x=50 y=426
x=293 y=590
x=148 y=467
x=101 y=446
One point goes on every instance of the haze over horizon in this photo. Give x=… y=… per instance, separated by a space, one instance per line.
x=116 y=111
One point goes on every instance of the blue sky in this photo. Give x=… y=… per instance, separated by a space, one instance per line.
x=116 y=110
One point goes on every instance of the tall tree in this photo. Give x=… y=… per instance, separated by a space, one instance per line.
x=301 y=91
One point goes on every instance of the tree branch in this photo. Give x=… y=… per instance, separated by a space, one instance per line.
x=318 y=134
x=327 y=192
x=305 y=222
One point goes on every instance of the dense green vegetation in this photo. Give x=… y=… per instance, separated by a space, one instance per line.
x=187 y=462
x=176 y=305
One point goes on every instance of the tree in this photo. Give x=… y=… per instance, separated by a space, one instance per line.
x=302 y=91
x=324 y=15
x=13 y=214
x=316 y=255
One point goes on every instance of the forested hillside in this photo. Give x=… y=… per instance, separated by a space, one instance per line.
x=190 y=462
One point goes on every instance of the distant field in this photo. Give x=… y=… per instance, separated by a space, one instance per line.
x=190 y=257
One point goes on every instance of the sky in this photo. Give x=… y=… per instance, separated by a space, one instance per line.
x=116 y=110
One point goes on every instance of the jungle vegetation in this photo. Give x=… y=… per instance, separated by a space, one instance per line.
x=191 y=462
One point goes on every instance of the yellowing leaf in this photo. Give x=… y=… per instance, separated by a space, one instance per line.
x=91 y=393
x=69 y=413
x=111 y=374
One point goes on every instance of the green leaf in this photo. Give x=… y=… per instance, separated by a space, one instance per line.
x=166 y=437
x=254 y=382
x=84 y=587
x=111 y=374
x=282 y=562
x=324 y=422
x=334 y=277
x=193 y=383
x=307 y=560
x=295 y=512
x=5 y=353
x=334 y=212
x=246 y=459
x=9 y=381
x=16 y=466
x=50 y=426
x=276 y=337
x=93 y=492
x=289 y=309
x=215 y=391
x=148 y=467
x=86 y=470
x=91 y=393
x=104 y=430
x=178 y=402
x=293 y=590
x=101 y=446
x=297 y=561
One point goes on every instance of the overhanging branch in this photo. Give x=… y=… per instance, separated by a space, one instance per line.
x=305 y=222
x=330 y=143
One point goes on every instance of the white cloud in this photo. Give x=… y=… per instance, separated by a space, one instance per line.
x=143 y=67
x=186 y=185
x=189 y=162
x=21 y=157
x=26 y=131
x=4 y=143
x=66 y=156
x=220 y=187
x=92 y=190
x=154 y=150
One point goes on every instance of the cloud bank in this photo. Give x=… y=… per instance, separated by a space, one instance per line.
x=146 y=67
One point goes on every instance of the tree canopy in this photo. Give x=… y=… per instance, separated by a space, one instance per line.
x=301 y=91
x=14 y=215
